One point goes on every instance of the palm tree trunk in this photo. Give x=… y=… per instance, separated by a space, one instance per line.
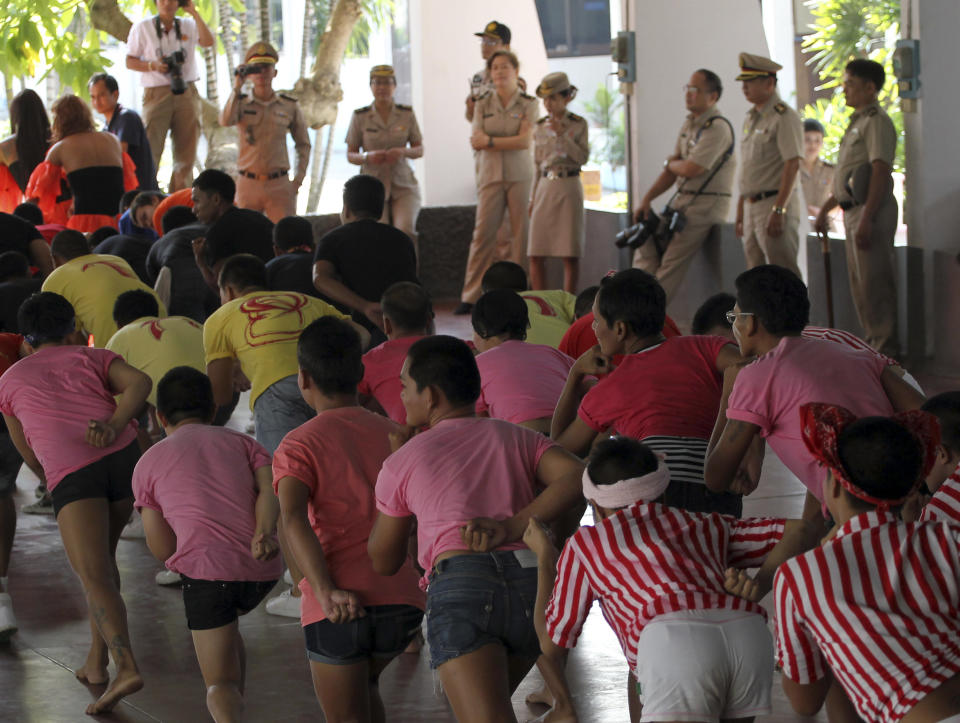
x=318 y=173
x=210 y=61
x=265 y=20
x=227 y=34
x=307 y=34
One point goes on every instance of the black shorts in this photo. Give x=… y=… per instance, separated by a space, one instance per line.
x=10 y=463
x=384 y=632
x=214 y=603
x=108 y=477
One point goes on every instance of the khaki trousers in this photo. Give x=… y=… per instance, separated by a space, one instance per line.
x=401 y=210
x=872 y=277
x=758 y=247
x=493 y=200
x=180 y=115
x=702 y=214
x=275 y=198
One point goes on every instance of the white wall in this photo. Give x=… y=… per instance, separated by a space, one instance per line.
x=778 y=19
x=689 y=34
x=444 y=56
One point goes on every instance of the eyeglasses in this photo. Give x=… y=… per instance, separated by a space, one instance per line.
x=731 y=316
x=692 y=89
x=490 y=42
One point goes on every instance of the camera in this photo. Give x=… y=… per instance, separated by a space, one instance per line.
x=245 y=71
x=174 y=63
x=658 y=228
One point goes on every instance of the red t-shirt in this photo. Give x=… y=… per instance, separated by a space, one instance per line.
x=672 y=389
x=580 y=336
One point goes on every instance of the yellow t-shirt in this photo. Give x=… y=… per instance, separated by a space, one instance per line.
x=92 y=284
x=261 y=329
x=551 y=314
x=155 y=346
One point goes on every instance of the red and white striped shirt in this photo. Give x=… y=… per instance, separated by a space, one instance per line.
x=845 y=338
x=944 y=506
x=879 y=603
x=648 y=560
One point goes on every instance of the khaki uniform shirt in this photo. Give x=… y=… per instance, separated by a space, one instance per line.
x=818 y=183
x=370 y=132
x=263 y=133
x=703 y=140
x=565 y=150
x=499 y=121
x=869 y=137
x=771 y=135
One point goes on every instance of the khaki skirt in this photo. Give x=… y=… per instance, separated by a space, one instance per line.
x=556 y=224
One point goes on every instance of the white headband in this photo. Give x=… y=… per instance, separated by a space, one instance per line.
x=628 y=491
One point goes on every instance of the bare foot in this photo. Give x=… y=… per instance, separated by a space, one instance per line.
x=540 y=697
x=556 y=715
x=93 y=674
x=123 y=685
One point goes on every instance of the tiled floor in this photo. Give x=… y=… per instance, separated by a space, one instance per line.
x=37 y=683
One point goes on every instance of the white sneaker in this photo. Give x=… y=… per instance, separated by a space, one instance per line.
x=8 y=623
x=284 y=604
x=43 y=506
x=133 y=529
x=287 y=577
x=168 y=577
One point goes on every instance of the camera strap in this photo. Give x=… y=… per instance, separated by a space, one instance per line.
x=723 y=159
x=159 y=28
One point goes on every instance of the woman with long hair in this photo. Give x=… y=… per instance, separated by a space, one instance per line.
x=24 y=149
x=93 y=163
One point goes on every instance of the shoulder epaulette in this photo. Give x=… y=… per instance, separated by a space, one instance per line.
x=363 y=110
x=401 y=106
x=873 y=111
x=543 y=120
x=484 y=94
x=242 y=96
x=574 y=117
x=527 y=97
x=287 y=97
x=780 y=108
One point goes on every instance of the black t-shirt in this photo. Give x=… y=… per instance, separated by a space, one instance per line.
x=16 y=235
x=127 y=126
x=132 y=249
x=292 y=272
x=240 y=231
x=189 y=294
x=369 y=257
x=12 y=294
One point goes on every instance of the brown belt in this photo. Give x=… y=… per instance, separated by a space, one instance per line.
x=263 y=176
x=762 y=195
x=560 y=174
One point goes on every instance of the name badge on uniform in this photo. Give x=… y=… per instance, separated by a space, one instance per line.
x=373 y=130
x=399 y=129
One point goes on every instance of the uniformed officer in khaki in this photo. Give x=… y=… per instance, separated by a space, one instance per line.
x=503 y=123
x=560 y=147
x=388 y=135
x=494 y=36
x=704 y=146
x=768 y=210
x=816 y=175
x=264 y=119
x=863 y=188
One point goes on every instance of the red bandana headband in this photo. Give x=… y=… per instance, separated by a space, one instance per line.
x=822 y=425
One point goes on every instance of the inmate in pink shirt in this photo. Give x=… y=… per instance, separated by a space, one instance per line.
x=55 y=392
x=769 y=392
x=381 y=375
x=521 y=381
x=338 y=455
x=200 y=479
x=460 y=469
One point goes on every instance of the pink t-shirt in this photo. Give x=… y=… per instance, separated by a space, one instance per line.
x=769 y=392
x=460 y=469
x=381 y=375
x=55 y=392
x=201 y=479
x=521 y=381
x=670 y=390
x=338 y=455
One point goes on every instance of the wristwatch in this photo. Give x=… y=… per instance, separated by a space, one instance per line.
x=779 y=210
x=666 y=162
x=489 y=141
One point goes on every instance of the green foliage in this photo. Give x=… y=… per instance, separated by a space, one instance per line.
x=844 y=30
x=606 y=112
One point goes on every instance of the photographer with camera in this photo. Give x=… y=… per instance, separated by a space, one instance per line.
x=163 y=49
x=264 y=118
x=702 y=166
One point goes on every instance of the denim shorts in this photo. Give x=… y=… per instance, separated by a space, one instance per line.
x=384 y=632
x=278 y=410
x=477 y=599
x=214 y=603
